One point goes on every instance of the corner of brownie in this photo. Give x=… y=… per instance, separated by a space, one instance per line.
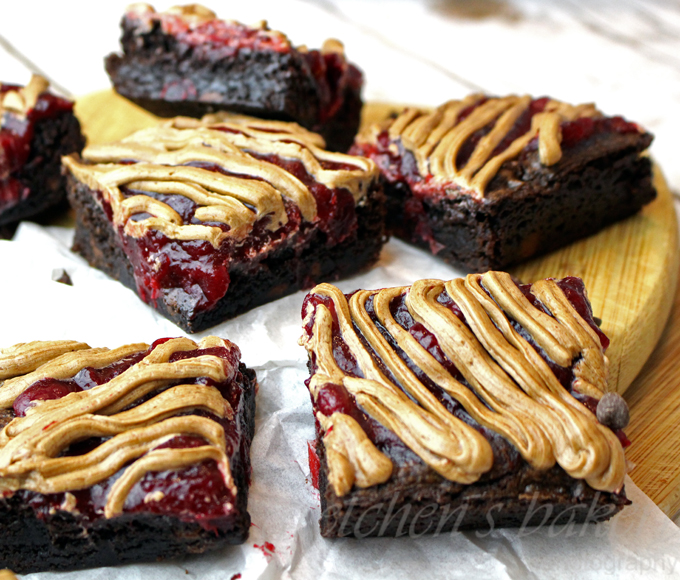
x=36 y=129
x=134 y=454
x=470 y=403
x=207 y=219
x=186 y=61
x=488 y=182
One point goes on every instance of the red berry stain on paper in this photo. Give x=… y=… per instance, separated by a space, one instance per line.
x=268 y=549
x=314 y=464
x=236 y=576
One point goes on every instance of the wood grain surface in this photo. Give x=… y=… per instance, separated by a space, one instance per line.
x=630 y=270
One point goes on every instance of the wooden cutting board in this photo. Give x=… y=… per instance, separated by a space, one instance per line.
x=631 y=272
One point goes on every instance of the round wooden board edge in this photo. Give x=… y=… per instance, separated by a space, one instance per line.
x=632 y=291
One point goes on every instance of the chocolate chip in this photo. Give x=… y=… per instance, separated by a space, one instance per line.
x=60 y=275
x=597 y=321
x=612 y=411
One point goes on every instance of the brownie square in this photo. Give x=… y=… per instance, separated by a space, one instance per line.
x=207 y=219
x=472 y=403
x=134 y=454
x=488 y=182
x=185 y=61
x=36 y=129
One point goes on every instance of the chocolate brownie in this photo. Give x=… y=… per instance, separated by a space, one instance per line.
x=36 y=129
x=185 y=61
x=134 y=454
x=462 y=404
x=488 y=182
x=207 y=219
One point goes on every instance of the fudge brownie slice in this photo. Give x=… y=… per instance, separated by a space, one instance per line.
x=134 y=454
x=185 y=61
x=36 y=129
x=488 y=182
x=472 y=403
x=207 y=219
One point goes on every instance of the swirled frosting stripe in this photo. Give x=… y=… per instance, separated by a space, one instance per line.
x=221 y=163
x=436 y=138
x=127 y=411
x=508 y=387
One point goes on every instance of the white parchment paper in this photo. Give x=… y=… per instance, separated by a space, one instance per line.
x=641 y=542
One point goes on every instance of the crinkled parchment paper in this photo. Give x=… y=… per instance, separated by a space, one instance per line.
x=284 y=540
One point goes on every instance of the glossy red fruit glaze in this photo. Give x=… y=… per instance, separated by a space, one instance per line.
x=197 y=493
x=334 y=75
x=43 y=390
x=195 y=272
x=426 y=339
x=334 y=399
x=575 y=291
x=16 y=134
x=314 y=464
x=336 y=212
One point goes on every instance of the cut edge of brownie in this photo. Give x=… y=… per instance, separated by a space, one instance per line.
x=521 y=499
x=60 y=541
x=41 y=174
x=284 y=272
x=497 y=233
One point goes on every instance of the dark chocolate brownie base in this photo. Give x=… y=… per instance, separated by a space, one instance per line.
x=418 y=502
x=265 y=84
x=42 y=172
x=63 y=541
x=553 y=210
x=284 y=272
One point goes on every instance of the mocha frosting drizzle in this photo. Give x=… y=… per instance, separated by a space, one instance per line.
x=253 y=189
x=30 y=446
x=511 y=391
x=436 y=138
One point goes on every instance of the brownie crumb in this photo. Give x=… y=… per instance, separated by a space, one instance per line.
x=60 y=275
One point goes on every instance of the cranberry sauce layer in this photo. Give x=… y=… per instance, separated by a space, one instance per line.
x=203 y=199
x=199 y=491
x=16 y=134
x=335 y=78
x=201 y=270
x=407 y=149
x=335 y=398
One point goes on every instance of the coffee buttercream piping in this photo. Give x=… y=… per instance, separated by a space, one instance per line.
x=30 y=446
x=436 y=138
x=291 y=141
x=351 y=456
x=345 y=467
x=25 y=357
x=511 y=389
x=62 y=367
x=581 y=446
x=524 y=434
x=161 y=155
x=450 y=447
